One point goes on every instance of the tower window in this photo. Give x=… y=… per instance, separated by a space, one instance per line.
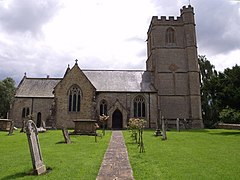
x=103 y=107
x=170 y=36
x=74 y=99
x=139 y=107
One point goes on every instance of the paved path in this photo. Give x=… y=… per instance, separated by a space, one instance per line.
x=115 y=164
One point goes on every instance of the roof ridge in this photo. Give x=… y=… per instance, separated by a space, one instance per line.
x=131 y=70
x=31 y=78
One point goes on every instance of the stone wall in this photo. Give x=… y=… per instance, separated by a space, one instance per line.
x=35 y=105
x=124 y=102
x=175 y=66
x=87 y=106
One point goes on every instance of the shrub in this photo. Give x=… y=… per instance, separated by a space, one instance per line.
x=229 y=115
x=136 y=126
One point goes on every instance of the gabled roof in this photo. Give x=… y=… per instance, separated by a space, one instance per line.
x=37 y=87
x=102 y=80
x=121 y=80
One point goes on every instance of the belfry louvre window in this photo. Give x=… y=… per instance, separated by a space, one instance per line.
x=103 y=107
x=139 y=107
x=170 y=36
x=74 y=99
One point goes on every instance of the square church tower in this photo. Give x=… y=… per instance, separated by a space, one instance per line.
x=172 y=57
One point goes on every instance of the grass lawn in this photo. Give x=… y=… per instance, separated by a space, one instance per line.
x=205 y=154
x=79 y=160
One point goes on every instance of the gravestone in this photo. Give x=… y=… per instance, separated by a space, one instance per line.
x=158 y=132
x=10 y=132
x=23 y=126
x=34 y=146
x=44 y=124
x=178 y=124
x=66 y=136
x=164 y=134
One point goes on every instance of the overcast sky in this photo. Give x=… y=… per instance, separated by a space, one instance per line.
x=41 y=37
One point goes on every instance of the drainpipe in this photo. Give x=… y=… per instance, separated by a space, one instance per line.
x=149 y=108
x=32 y=107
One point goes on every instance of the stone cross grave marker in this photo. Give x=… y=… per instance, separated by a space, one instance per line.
x=66 y=136
x=10 y=132
x=34 y=146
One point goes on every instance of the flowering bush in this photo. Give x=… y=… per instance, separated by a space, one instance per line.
x=103 y=119
x=136 y=126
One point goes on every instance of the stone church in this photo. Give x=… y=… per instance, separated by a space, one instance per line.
x=169 y=86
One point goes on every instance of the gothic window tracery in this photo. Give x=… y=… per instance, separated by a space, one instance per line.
x=74 y=99
x=139 y=107
x=103 y=107
x=170 y=36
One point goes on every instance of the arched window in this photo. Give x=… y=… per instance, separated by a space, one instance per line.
x=28 y=112
x=74 y=99
x=139 y=107
x=39 y=119
x=103 y=107
x=23 y=113
x=170 y=36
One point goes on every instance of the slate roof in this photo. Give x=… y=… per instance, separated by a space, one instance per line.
x=120 y=80
x=37 y=87
x=103 y=81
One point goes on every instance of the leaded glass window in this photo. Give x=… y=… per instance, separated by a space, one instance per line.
x=103 y=107
x=74 y=99
x=139 y=107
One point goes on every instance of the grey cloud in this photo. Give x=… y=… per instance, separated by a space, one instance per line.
x=218 y=26
x=27 y=15
x=217 y=23
x=16 y=60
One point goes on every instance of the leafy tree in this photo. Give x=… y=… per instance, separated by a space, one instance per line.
x=7 y=89
x=209 y=85
x=229 y=115
x=229 y=96
x=220 y=93
x=230 y=88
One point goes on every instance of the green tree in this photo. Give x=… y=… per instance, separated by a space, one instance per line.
x=7 y=89
x=230 y=88
x=209 y=86
x=220 y=93
x=229 y=95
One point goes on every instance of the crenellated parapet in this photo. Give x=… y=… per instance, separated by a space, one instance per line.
x=188 y=8
x=166 y=20
x=186 y=17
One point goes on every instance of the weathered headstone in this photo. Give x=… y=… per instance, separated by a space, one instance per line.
x=23 y=129
x=10 y=132
x=44 y=124
x=66 y=136
x=34 y=146
x=158 y=132
x=164 y=134
x=178 y=124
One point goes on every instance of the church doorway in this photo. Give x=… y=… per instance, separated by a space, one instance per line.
x=39 y=120
x=117 y=119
